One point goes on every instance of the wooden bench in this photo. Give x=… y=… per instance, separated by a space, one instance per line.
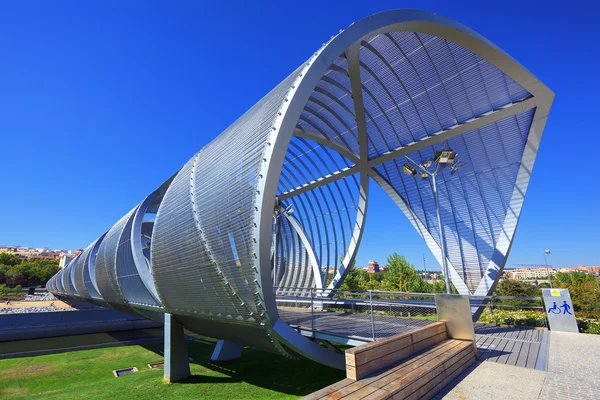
x=366 y=359
x=411 y=365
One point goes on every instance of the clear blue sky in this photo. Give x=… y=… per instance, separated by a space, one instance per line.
x=101 y=101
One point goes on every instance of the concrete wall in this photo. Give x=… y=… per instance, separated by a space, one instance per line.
x=63 y=323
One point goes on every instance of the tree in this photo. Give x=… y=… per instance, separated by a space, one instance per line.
x=353 y=279
x=26 y=272
x=9 y=259
x=511 y=287
x=400 y=274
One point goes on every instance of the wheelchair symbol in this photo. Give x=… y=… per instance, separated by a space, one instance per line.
x=556 y=310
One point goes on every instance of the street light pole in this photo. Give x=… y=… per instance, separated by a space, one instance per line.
x=547 y=269
x=442 y=237
x=426 y=173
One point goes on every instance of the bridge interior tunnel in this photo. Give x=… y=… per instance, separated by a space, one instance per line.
x=387 y=95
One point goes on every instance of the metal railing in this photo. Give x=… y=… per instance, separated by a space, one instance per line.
x=511 y=311
x=365 y=315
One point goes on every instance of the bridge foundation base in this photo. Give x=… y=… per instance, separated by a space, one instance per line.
x=225 y=350
x=177 y=366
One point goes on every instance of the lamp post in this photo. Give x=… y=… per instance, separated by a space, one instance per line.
x=429 y=169
x=547 y=269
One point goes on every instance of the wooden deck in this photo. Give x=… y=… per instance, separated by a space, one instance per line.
x=519 y=346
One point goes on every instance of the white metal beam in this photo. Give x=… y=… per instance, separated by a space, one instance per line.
x=461 y=129
x=319 y=182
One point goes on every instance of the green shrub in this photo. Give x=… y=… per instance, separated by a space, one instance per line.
x=589 y=326
x=514 y=318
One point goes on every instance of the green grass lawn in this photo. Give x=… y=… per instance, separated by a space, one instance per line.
x=87 y=374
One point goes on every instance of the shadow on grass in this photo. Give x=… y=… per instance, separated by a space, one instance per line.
x=259 y=368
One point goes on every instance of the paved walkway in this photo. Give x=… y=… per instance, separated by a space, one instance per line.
x=494 y=381
x=573 y=367
x=573 y=373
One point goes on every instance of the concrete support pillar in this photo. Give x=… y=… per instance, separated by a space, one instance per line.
x=225 y=350
x=177 y=366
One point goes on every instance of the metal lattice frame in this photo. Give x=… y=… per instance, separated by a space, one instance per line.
x=279 y=199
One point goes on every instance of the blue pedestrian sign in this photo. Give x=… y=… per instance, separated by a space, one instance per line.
x=559 y=309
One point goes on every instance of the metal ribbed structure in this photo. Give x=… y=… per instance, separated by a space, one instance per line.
x=280 y=198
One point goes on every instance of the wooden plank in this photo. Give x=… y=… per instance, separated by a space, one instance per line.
x=428 y=387
x=542 y=359
x=410 y=363
x=506 y=352
x=424 y=382
x=534 y=351
x=489 y=351
x=321 y=393
x=512 y=359
x=428 y=331
x=361 y=393
x=425 y=358
x=364 y=360
x=362 y=356
x=426 y=373
x=522 y=359
x=382 y=343
x=415 y=377
x=430 y=341
x=450 y=374
x=499 y=350
x=405 y=366
x=360 y=371
x=482 y=349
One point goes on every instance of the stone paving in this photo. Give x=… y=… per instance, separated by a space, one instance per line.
x=573 y=373
x=573 y=367
x=492 y=381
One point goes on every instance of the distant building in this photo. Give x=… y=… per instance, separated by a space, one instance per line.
x=38 y=253
x=522 y=274
x=373 y=267
x=586 y=270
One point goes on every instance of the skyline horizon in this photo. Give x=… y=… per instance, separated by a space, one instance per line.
x=419 y=268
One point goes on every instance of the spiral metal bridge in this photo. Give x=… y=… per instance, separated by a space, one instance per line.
x=280 y=198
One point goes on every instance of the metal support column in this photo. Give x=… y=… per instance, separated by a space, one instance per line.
x=177 y=366
x=372 y=316
x=225 y=351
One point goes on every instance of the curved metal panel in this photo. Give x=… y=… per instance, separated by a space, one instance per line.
x=105 y=267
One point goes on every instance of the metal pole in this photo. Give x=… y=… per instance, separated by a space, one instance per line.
x=548 y=270
x=312 y=312
x=442 y=238
x=372 y=321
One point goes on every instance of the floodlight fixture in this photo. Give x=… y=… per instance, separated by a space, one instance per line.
x=445 y=156
x=409 y=170
x=456 y=166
